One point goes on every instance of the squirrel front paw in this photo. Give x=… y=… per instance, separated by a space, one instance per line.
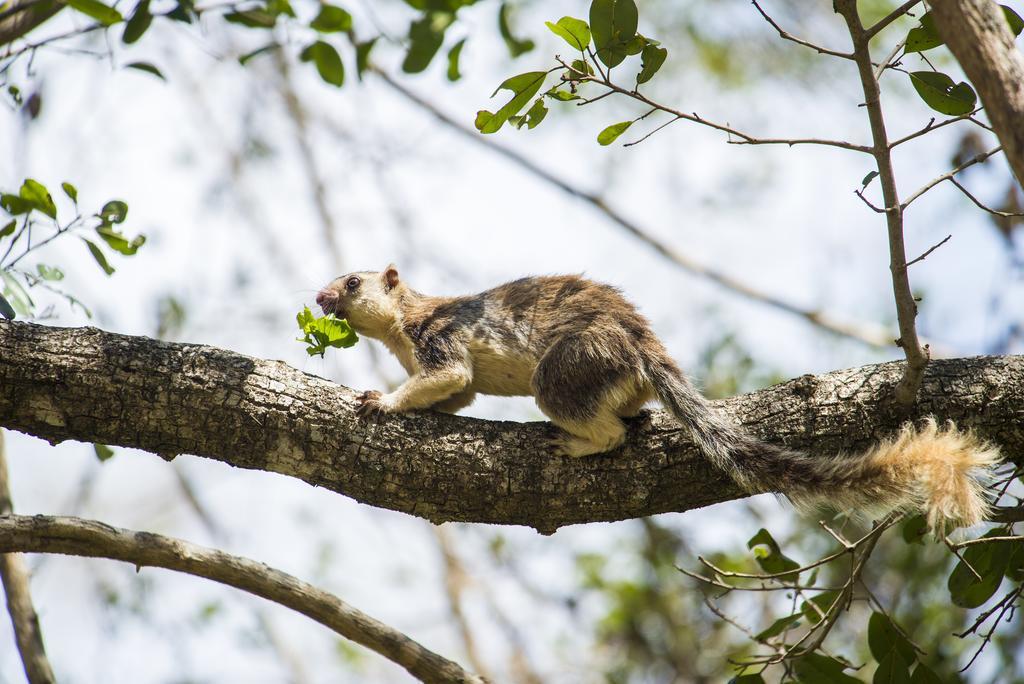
x=370 y=404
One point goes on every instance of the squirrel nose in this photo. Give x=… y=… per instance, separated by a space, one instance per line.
x=325 y=297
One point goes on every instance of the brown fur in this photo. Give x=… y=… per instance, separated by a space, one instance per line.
x=589 y=359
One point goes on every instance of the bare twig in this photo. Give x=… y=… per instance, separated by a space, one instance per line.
x=977 y=159
x=866 y=333
x=27 y=634
x=79 y=537
x=988 y=540
x=932 y=126
x=788 y=36
x=889 y=18
x=978 y=203
x=930 y=250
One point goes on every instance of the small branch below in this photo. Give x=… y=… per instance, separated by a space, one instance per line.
x=930 y=250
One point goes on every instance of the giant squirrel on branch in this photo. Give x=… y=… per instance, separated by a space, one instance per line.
x=589 y=359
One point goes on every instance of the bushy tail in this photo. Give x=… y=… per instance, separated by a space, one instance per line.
x=937 y=470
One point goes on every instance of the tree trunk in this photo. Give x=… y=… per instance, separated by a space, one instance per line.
x=94 y=386
x=979 y=37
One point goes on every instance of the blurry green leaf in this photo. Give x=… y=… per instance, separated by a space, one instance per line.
x=941 y=94
x=573 y=31
x=323 y=332
x=6 y=310
x=923 y=675
x=653 y=57
x=516 y=46
x=966 y=590
x=15 y=93
x=16 y=294
x=613 y=25
x=582 y=66
x=184 y=12
x=244 y=59
x=562 y=95
x=770 y=557
x=252 y=18
x=118 y=242
x=147 y=67
x=104 y=14
x=524 y=87
x=138 y=23
x=327 y=60
x=70 y=190
x=363 y=56
x=883 y=637
x=863 y=184
x=277 y=7
x=14 y=205
x=818 y=606
x=8 y=229
x=103 y=452
x=815 y=668
x=609 y=134
x=49 y=272
x=779 y=626
x=925 y=36
x=892 y=670
x=453 y=61
x=99 y=257
x=114 y=211
x=425 y=38
x=747 y=679
x=1014 y=20
x=331 y=19
x=36 y=194
x=536 y=113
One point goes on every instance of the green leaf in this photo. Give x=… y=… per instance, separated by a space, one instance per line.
x=747 y=679
x=883 y=637
x=573 y=31
x=609 y=134
x=562 y=95
x=815 y=668
x=114 y=211
x=331 y=19
x=118 y=242
x=863 y=184
x=941 y=94
x=966 y=590
x=6 y=310
x=8 y=229
x=252 y=18
x=915 y=528
x=613 y=25
x=70 y=190
x=14 y=205
x=278 y=7
x=770 y=557
x=1014 y=20
x=818 y=606
x=453 y=61
x=103 y=452
x=327 y=60
x=524 y=87
x=137 y=24
x=516 y=46
x=923 y=675
x=637 y=45
x=184 y=12
x=99 y=257
x=244 y=59
x=924 y=37
x=323 y=332
x=363 y=56
x=892 y=670
x=147 y=67
x=49 y=272
x=653 y=57
x=779 y=626
x=36 y=194
x=16 y=294
x=425 y=38
x=104 y=14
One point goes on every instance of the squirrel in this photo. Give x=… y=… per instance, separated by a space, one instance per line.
x=590 y=359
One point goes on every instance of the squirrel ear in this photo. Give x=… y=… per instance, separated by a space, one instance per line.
x=391 y=276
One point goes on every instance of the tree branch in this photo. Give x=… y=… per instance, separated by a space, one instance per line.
x=78 y=537
x=94 y=386
x=21 y=16
x=978 y=36
x=24 y=621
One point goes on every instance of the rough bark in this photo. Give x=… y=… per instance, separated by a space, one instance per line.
x=77 y=537
x=94 y=386
x=14 y=574
x=978 y=36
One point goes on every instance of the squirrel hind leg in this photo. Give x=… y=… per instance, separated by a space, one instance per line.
x=595 y=435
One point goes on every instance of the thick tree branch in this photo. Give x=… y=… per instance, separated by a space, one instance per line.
x=14 y=574
x=978 y=36
x=78 y=537
x=94 y=386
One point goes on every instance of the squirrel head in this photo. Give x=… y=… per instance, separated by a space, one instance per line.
x=367 y=299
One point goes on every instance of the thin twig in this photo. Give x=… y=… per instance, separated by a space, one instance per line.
x=977 y=159
x=988 y=540
x=932 y=126
x=980 y=205
x=788 y=36
x=930 y=250
x=889 y=18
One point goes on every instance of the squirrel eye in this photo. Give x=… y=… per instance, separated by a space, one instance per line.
x=352 y=283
